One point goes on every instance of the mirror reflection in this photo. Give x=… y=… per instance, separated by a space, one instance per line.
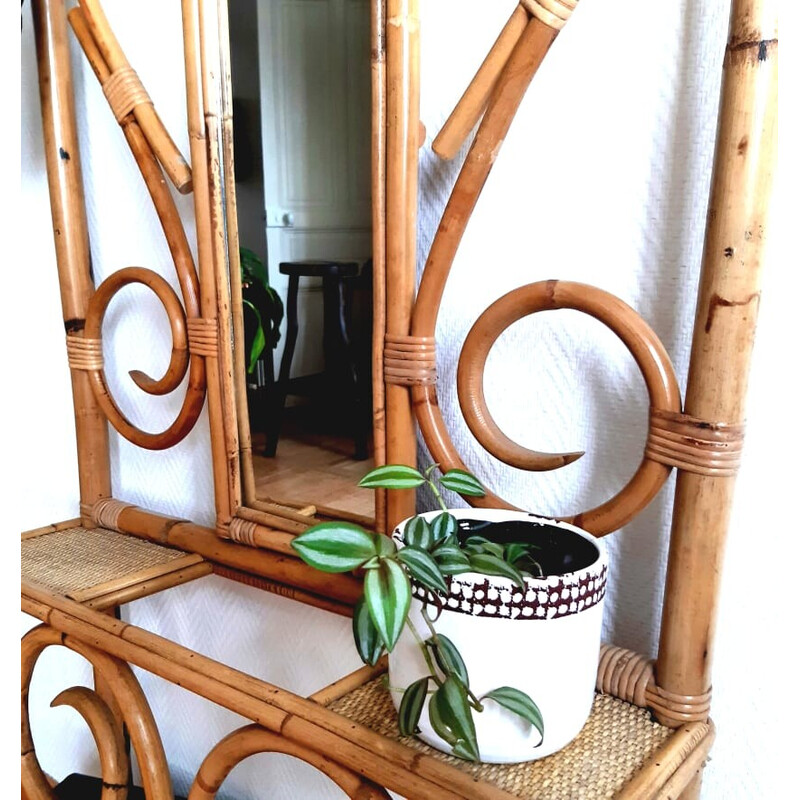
x=301 y=112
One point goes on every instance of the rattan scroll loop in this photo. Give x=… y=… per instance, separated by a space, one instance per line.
x=624 y=674
x=85 y=354
x=242 y=531
x=553 y=13
x=124 y=91
x=106 y=512
x=409 y=360
x=203 y=335
x=694 y=445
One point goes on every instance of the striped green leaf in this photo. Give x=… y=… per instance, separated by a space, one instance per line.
x=384 y=545
x=451 y=718
x=518 y=703
x=367 y=638
x=492 y=565
x=450 y=560
x=484 y=545
x=411 y=707
x=448 y=658
x=443 y=526
x=392 y=476
x=423 y=569
x=335 y=546
x=388 y=594
x=418 y=533
x=458 y=480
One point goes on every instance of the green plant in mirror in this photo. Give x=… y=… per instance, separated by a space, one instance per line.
x=261 y=301
x=432 y=553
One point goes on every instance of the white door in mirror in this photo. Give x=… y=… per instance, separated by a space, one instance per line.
x=314 y=68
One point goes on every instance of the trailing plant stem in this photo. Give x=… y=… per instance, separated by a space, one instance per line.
x=476 y=703
x=438 y=495
x=426 y=655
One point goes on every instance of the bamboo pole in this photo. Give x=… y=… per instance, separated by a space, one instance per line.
x=153 y=128
x=476 y=96
x=234 y=269
x=285 y=569
x=200 y=155
x=298 y=719
x=723 y=337
x=378 y=156
x=70 y=233
x=402 y=156
x=216 y=93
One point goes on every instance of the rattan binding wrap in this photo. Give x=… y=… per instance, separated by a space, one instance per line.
x=203 y=335
x=85 y=354
x=553 y=13
x=694 y=445
x=105 y=513
x=630 y=676
x=409 y=360
x=616 y=741
x=242 y=531
x=124 y=91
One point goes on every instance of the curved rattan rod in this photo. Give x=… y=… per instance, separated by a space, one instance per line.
x=629 y=327
x=526 y=57
x=178 y=245
x=251 y=739
x=108 y=737
x=132 y=703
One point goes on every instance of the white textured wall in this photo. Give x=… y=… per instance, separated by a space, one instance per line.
x=602 y=179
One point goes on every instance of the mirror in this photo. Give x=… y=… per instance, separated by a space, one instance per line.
x=301 y=132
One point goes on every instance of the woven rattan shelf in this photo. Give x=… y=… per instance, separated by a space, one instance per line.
x=102 y=568
x=617 y=743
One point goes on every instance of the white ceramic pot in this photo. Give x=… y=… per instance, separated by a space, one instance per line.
x=545 y=642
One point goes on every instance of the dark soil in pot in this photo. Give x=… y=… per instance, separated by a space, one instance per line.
x=558 y=551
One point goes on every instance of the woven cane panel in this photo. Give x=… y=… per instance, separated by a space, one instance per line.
x=616 y=741
x=78 y=558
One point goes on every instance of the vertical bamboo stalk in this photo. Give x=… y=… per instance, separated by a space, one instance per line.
x=723 y=337
x=245 y=446
x=402 y=147
x=70 y=233
x=200 y=159
x=378 y=40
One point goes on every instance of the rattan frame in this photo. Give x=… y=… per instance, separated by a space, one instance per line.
x=702 y=439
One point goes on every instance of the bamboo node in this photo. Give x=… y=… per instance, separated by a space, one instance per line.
x=203 y=334
x=124 y=91
x=243 y=531
x=553 y=13
x=409 y=360
x=624 y=674
x=694 y=445
x=106 y=512
x=85 y=354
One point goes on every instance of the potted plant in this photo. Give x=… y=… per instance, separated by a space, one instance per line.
x=491 y=618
